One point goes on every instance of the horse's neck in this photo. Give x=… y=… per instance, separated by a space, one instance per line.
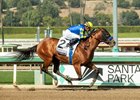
x=93 y=44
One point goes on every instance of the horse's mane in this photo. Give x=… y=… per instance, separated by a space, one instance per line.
x=93 y=32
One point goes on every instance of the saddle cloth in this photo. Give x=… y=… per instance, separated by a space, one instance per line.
x=63 y=49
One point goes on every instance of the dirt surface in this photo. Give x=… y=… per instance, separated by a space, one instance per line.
x=60 y=94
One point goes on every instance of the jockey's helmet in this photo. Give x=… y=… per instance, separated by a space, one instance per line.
x=89 y=24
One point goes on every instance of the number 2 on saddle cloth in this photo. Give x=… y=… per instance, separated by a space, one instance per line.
x=63 y=48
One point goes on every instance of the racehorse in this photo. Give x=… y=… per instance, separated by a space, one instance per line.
x=84 y=53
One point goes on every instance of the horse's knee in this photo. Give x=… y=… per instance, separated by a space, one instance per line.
x=97 y=71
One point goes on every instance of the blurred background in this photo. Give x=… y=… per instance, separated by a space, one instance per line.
x=20 y=18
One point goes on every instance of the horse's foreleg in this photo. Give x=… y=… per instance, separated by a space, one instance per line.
x=93 y=67
x=77 y=68
x=96 y=75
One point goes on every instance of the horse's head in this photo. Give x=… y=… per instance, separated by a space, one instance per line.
x=102 y=35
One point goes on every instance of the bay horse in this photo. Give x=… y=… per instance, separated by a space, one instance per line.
x=84 y=53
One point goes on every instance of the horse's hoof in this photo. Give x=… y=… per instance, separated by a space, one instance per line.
x=55 y=82
x=68 y=78
x=91 y=85
x=70 y=83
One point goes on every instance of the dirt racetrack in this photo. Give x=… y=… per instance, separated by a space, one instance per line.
x=102 y=94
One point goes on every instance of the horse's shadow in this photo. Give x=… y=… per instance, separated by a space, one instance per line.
x=88 y=73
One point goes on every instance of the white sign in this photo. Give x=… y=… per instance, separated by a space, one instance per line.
x=110 y=75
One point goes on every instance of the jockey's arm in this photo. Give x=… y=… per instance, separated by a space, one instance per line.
x=82 y=35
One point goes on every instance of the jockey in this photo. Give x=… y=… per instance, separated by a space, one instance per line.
x=77 y=32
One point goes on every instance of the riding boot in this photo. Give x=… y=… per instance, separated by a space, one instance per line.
x=73 y=42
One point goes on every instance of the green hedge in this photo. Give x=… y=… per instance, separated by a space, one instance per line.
x=58 y=30
x=130 y=29
x=30 y=30
x=123 y=29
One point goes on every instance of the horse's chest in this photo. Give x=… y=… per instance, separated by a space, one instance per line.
x=88 y=56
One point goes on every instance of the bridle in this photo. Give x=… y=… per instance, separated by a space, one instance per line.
x=102 y=37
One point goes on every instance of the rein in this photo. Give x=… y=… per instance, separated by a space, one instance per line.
x=100 y=37
x=87 y=42
x=103 y=35
x=94 y=34
x=97 y=39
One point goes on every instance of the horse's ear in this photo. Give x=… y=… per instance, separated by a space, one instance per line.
x=93 y=30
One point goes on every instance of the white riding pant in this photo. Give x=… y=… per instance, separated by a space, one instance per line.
x=69 y=35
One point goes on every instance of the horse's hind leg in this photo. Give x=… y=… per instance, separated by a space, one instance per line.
x=56 y=63
x=77 y=68
x=45 y=67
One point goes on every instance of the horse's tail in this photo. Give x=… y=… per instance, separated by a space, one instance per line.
x=25 y=54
